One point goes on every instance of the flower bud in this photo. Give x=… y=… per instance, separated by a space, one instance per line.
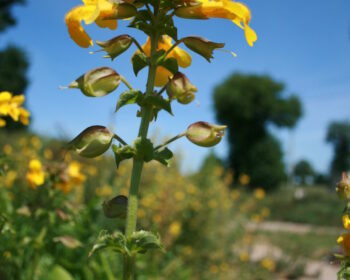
x=98 y=82
x=116 y=207
x=181 y=88
x=116 y=46
x=202 y=46
x=205 y=134
x=92 y=142
x=343 y=187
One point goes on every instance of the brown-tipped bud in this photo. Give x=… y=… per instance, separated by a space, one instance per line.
x=98 y=82
x=343 y=187
x=92 y=142
x=202 y=46
x=116 y=207
x=121 y=11
x=205 y=134
x=180 y=88
x=116 y=46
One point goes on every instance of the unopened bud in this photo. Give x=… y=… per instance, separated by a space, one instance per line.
x=181 y=88
x=202 y=46
x=116 y=46
x=98 y=82
x=343 y=187
x=205 y=134
x=92 y=142
x=116 y=207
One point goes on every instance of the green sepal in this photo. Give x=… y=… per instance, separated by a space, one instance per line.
x=139 y=61
x=170 y=64
x=202 y=46
x=115 y=242
x=122 y=153
x=163 y=156
x=115 y=207
x=158 y=102
x=129 y=97
x=142 y=241
x=144 y=149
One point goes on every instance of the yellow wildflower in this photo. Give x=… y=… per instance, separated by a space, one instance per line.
x=227 y=9
x=11 y=106
x=183 y=58
x=74 y=173
x=344 y=240
x=105 y=190
x=175 y=229
x=244 y=179
x=35 y=175
x=259 y=193
x=269 y=264
x=346 y=221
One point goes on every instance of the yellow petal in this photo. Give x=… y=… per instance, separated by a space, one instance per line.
x=18 y=99
x=162 y=76
x=5 y=96
x=73 y=20
x=2 y=123
x=250 y=35
x=111 y=24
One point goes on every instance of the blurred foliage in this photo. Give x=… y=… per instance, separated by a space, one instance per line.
x=303 y=171
x=6 y=17
x=14 y=62
x=248 y=104
x=338 y=135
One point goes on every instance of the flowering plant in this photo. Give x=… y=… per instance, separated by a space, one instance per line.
x=163 y=60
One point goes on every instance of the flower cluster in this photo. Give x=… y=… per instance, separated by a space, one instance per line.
x=11 y=105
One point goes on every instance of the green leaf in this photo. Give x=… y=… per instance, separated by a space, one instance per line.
x=159 y=102
x=115 y=242
x=144 y=149
x=122 y=153
x=142 y=241
x=163 y=156
x=128 y=97
x=139 y=61
x=58 y=272
x=171 y=65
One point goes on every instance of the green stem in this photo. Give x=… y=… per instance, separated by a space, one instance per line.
x=131 y=220
x=122 y=78
x=106 y=267
x=170 y=140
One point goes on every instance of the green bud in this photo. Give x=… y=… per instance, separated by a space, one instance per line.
x=98 y=82
x=202 y=46
x=205 y=134
x=343 y=187
x=181 y=88
x=116 y=207
x=92 y=142
x=116 y=46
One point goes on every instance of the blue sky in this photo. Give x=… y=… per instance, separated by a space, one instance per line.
x=305 y=44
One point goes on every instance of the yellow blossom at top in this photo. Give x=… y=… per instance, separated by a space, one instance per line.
x=344 y=240
x=175 y=229
x=183 y=58
x=346 y=221
x=10 y=105
x=237 y=12
x=35 y=175
x=91 y=11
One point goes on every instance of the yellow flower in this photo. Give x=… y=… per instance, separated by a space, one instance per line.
x=259 y=193
x=91 y=11
x=244 y=179
x=227 y=9
x=74 y=173
x=269 y=264
x=344 y=240
x=183 y=58
x=11 y=106
x=175 y=229
x=346 y=221
x=35 y=175
x=244 y=257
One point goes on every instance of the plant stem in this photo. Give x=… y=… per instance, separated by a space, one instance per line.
x=131 y=220
x=170 y=140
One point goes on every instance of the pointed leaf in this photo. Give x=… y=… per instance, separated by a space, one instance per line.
x=128 y=97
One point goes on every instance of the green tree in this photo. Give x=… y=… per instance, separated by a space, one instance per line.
x=303 y=170
x=248 y=105
x=13 y=60
x=338 y=135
